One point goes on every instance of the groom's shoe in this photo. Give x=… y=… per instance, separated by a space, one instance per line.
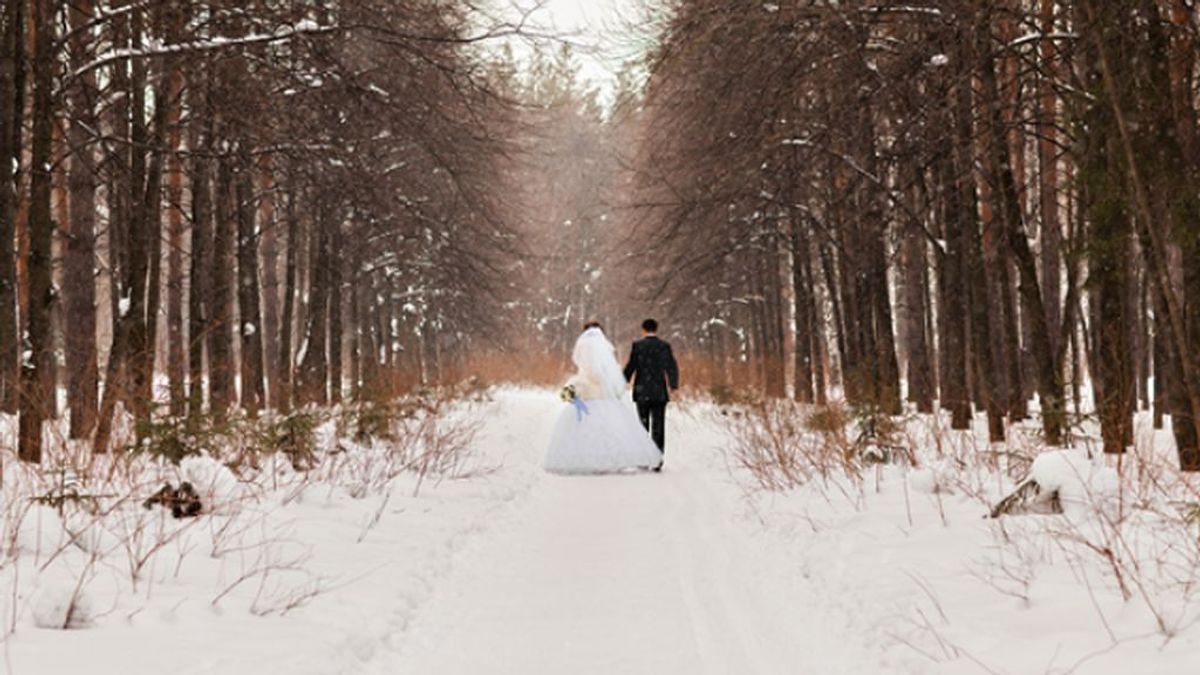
x=657 y=469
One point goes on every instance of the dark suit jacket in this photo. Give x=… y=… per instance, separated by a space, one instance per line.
x=652 y=367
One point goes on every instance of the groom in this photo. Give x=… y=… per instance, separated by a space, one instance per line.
x=652 y=368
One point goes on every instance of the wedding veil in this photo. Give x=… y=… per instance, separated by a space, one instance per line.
x=596 y=359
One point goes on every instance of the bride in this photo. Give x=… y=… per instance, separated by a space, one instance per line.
x=598 y=433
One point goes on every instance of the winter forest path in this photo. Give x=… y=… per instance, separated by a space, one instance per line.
x=640 y=573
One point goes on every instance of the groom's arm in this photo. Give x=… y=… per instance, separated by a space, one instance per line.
x=672 y=369
x=631 y=364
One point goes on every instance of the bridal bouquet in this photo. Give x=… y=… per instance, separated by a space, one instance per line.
x=569 y=395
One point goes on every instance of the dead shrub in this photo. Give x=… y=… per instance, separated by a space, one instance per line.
x=827 y=419
x=726 y=395
x=773 y=442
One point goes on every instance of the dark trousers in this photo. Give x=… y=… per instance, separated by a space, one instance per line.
x=653 y=417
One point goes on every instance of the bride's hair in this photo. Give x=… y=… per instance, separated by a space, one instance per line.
x=592 y=324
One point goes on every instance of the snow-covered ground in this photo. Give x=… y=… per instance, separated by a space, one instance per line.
x=909 y=559
x=311 y=578
x=688 y=571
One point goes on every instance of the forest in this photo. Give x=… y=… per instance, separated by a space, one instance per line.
x=963 y=205
x=219 y=206
x=300 y=370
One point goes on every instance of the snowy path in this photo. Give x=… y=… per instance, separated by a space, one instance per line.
x=642 y=573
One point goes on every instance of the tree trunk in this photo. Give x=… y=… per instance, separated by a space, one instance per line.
x=200 y=266
x=1050 y=388
x=1182 y=79
x=37 y=385
x=1162 y=358
x=313 y=365
x=12 y=112
x=1051 y=228
x=985 y=375
x=144 y=340
x=1017 y=404
x=268 y=229
x=356 y=342
x=828 y=272
x=79 y=279
x=775 y=375
x=220 y=356
x=920 y=377
x=287 y=364
x=119 y=216
x=1109 y=257
x=336 y=327
x=176 y=349
x=956 y=181
x=886 y=377
x=137 y=250
x=802 y=291
x=253 y=392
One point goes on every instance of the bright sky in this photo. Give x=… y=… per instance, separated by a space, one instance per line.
x=606 y=33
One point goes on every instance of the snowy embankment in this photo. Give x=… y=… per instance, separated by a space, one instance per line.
x=303 y=573
x=1097 y=574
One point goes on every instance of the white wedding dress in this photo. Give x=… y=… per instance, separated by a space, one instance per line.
x=600 y=433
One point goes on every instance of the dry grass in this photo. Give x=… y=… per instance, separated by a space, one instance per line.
x=1138 y=540
x=781 y=447
x=83 y=511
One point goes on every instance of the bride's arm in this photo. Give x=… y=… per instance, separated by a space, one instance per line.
x=630 y=365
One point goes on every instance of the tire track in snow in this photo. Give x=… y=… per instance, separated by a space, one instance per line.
x=687 y=580
x=736 y=612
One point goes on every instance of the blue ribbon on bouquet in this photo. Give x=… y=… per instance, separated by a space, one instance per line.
x=581 y=409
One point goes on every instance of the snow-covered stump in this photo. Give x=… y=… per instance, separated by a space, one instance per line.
x=1059 y=481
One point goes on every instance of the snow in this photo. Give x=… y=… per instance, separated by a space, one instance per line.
x=218 y=488
x=305 y=579
x=505 y=569
x=1038 y=36
x=644 y=573
x=936 y=477
x=155 y=48
x=302 y=351
x=62 y=606
x=1079 y=482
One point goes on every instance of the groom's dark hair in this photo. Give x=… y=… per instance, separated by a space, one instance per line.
x=650 y=326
